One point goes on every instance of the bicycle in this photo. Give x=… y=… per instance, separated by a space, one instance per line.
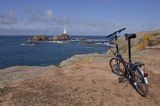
x=134 y=72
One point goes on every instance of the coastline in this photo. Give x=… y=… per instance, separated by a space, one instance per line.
x=79 y=80
x=25 y=72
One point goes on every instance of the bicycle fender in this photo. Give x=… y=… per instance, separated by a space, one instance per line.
x=145 y=78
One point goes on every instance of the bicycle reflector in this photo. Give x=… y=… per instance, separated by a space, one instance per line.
x=145 y=74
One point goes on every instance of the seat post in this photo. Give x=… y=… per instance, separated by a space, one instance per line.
x=129 y=50
x=116 y=44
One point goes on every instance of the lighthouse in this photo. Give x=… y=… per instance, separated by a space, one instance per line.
x=65 y=31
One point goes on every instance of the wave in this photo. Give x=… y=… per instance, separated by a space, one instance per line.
x=96 y=40
x=57 y=41
x=75 y=40
x=24 y=44
x=108 y=44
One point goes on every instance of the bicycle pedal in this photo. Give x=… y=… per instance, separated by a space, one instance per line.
x=122 y=79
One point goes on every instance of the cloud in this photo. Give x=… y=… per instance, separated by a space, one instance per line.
x=23 y=29
x=94 y=27
x=9 y=18
x=102 y=24
x=49 y=14
x=48 y=17
x=39 y=22
x=49 y=22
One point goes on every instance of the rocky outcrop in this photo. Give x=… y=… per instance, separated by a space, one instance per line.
x=40 y=38
x=37 y=38
x=88 y=76
x=62 y=37
x=87 y=42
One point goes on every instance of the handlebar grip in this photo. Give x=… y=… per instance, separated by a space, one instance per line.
x=121 y=30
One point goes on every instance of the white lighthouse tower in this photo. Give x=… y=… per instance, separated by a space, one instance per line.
x=65 y=31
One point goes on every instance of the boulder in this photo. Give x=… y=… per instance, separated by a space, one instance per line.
x=82 y=38
x=87 y=42
x=37 y=38
x=62 y=37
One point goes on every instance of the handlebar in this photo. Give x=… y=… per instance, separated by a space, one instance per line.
x=114 y=33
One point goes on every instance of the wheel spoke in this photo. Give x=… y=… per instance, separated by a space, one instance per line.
x=117 y=67
x=141 y=87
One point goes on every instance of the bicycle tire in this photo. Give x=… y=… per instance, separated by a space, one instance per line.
x=140 y=83
x=118 y=68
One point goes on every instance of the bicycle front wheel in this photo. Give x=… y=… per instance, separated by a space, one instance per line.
x=117 y=66
x=141 y=82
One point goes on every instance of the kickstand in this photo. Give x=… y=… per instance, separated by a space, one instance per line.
x=122 y=79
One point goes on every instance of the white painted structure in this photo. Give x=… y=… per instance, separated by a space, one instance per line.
x=65 y=31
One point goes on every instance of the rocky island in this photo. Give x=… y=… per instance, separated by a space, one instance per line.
x=38 y=38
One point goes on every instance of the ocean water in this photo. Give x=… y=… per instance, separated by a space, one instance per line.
x=15 y=52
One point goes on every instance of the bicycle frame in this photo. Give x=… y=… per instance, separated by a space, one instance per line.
x=117 y=54
x=129 y=67
x=131 y=71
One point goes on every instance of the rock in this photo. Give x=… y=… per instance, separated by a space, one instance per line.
x=82 y=38
x=32 y=42
x=37 y=38
x=62 y=37
x=87 y=42
x=40 y=38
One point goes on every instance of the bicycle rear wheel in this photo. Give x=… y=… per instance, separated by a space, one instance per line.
x=141 y=82
x=117 y=66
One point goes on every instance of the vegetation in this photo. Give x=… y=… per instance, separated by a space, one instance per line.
x=149 y=39
x=143 y=40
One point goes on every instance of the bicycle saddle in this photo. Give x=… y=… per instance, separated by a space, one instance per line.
x=130 y=36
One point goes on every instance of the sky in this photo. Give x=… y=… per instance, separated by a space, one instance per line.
x=79 y=17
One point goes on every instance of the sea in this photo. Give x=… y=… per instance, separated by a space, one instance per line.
x=14 y=51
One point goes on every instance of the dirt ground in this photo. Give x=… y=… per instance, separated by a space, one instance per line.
x=83 y=80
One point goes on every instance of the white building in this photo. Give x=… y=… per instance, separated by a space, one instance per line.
x=65 y=31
